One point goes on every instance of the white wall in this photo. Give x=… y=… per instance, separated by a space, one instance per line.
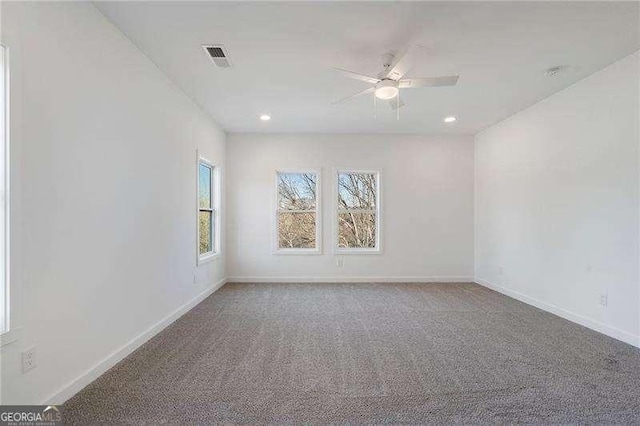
x=104 y=228
x=103 y=203
x=557 y=202
x=427 y=205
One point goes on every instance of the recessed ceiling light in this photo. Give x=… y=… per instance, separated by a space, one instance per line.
x=265 y=117
x=450 y=119
x=553 y=71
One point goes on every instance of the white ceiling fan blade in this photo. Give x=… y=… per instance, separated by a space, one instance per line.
x=408 y=83
x=400 y=65
x=396 y=103
x=361 y=77
x=364 y=92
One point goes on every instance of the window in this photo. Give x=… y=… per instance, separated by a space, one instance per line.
x=207 y=211
x=4 y=103
x=358 y=211
x=298 y=214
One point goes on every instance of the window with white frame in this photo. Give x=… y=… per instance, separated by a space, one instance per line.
x=207 y=211
x=4 y=106
x=298 y=214
x=358 y=215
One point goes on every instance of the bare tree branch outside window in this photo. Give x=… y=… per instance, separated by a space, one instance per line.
x=357 y=210
x=206 y=209
x=297 y=199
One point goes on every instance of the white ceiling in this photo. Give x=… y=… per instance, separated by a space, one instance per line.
x=283 y=54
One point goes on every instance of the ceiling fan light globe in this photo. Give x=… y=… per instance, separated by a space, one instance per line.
x=386 y=89
x=386 y=92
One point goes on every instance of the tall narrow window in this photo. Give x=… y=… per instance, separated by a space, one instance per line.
x=207 y=211
x=4 y=107
x=297 y=215
x=358 y=212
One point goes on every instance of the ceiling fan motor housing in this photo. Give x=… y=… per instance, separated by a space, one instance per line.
x=387 y=89
x=387 y=59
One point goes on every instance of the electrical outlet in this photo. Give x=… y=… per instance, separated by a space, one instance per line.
x=339 y=262
x=195 y=279
x=604 y=299
x=29 y=359
x=501 y=270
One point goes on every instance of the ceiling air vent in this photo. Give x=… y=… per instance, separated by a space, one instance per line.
x=218 y=55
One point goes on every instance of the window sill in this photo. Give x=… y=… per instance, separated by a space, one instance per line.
x=208 y=258
x=340 y=252
x=9 y=337
x=297 y=252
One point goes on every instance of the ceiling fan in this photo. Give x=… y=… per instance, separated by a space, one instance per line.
x=389 y=81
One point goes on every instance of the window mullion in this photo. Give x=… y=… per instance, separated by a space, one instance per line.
x=357 y=211
x=295 y=211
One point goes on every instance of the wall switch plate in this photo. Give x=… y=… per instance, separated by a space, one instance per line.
x=29 y=359
x=604 y=299
x=501 y=270
x=339 y=263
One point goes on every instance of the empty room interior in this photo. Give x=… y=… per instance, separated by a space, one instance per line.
x=320 y=212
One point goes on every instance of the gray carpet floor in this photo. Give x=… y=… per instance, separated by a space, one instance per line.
x=367 y=353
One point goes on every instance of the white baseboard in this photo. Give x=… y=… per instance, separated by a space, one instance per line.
x=349 y=279
x=600 y=327
x=76 y=385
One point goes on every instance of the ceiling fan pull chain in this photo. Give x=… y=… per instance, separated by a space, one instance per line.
x=398 y=107
x=374 y=107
